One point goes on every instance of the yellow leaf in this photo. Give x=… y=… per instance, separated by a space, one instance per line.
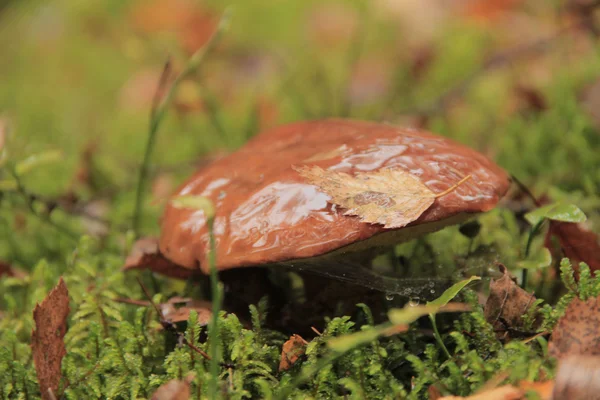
x=390 y=197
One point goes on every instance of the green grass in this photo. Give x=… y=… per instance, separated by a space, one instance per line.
x=62 y=90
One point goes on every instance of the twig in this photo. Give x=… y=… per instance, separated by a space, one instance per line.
x=526 y=190
x=159 y=110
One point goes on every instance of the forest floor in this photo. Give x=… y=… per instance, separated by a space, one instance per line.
x=516 y=80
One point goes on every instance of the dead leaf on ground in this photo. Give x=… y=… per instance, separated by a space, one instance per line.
x=542 y=389
x=489 y=10
x=578 y=330
x=4 y=127
x=47 y=343
x=330 y=24
x=391 y=197
x=578 y=377
x=174 y=390
x=434 y=393
x=162 y=187
x=191 y=24
x=370 y=81
x=590 y=102
x=506 y=305
x=145 y=255
x=179 y=314
x=177 y=309
x=292 y=350
x=7 y=269
x=578 y=243
x=506 y=392
x=138 y=93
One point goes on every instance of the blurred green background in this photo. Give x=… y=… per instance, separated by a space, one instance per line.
x=507 y=77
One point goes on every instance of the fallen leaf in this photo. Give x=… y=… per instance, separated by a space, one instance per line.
x=4 y=128
x=191 y=24
x=528 y=99
x=542 y=389
x=9 y=270
x=578 y=377
x=330 y=24
x=177 y=309
x=578 y=243
x=506 y=392
x=146 y=255
x=590 y=102
x=174 y=390
x=489 y=10
x=162 y=187
x=369 y=82
x=47 y=343
x=138 y=93
x=506 y=305
x=292 y=350
x=434 y=393
x=578 y=330
x=182 y=313
x=393 y=198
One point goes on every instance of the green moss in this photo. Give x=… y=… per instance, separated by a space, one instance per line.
x=89 y=50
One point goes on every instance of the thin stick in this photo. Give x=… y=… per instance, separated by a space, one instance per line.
x=159 y=110
x=526 y=190
x=453 y=187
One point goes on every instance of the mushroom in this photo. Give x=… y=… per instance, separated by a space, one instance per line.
x=269 y=211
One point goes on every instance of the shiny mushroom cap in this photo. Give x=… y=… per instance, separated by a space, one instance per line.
x=267 y=212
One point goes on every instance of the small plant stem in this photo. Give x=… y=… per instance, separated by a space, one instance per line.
x=532 y=232
x=213 y=335
x=44 y=218
x=159 y=111
x=526 y=190
x=438 y=337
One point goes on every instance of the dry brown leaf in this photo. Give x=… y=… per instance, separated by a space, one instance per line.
x=506 y=304
x=292 y=350
x=489 y=10
x=577 y=243
x=434 y=393
x=9 y=270
x=506 y=392
x=578 y=330
x=174 y=390
x=332 y=23
x=542 y=389
x=47 y=343
x=390 y=197
x=3 y=132
x=191 y=24
x=590 y=102
x=180 y=314
x=145 y=255
x=177 y=309
x=578 y=377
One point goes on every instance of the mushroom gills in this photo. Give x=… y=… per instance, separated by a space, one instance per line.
x=352 y=263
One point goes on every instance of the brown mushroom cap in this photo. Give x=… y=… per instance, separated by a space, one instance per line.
x=267 y=213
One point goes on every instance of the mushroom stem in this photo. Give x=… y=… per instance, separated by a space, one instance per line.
x=453 y=187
